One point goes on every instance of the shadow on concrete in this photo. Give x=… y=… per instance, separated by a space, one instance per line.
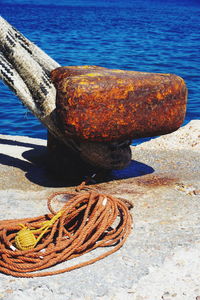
x=19 y=144
x=134 y=169
x=37 y=167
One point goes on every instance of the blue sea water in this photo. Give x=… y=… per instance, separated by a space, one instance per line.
x=149 y=35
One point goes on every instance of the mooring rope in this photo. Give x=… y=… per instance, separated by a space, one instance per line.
x=88 y=220
x=25 y=69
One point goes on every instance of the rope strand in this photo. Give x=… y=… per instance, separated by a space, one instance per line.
x=88 y=220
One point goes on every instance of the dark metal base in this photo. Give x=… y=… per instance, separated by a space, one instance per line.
x=65 y=163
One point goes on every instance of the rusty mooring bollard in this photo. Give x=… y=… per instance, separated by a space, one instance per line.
x=99 y=104
x=97 y=111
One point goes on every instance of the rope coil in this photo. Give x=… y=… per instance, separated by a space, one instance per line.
x=88 y=220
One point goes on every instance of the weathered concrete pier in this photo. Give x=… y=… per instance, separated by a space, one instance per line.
x=161 y=258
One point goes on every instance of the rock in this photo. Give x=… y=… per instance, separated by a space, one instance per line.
x=160 y=259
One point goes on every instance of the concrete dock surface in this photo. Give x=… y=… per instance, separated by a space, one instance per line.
x=160 y=259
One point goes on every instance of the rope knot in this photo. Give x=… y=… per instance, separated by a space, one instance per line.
x=25 y=239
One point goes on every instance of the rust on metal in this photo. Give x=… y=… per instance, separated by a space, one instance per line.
x=100 y=104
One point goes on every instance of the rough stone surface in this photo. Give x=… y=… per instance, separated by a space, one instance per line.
x=161 y=258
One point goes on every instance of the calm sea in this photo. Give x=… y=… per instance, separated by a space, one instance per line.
x=146 y=35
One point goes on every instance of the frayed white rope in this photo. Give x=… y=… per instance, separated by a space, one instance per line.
x=19 y=55
x=38 y=55
x=25 y=68
x=15 y=82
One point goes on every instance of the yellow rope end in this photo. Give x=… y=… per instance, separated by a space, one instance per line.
x=49 y=223
x=25 y=238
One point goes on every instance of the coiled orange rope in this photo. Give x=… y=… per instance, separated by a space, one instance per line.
x=88 y=220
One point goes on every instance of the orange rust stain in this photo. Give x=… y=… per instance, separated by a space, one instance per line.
x=107 y=105
x=155 y=181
